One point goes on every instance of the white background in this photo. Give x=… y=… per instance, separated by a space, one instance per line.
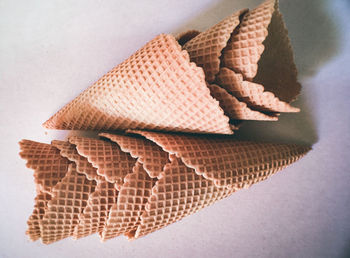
x=51 y=50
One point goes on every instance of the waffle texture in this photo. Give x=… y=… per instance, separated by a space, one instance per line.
x=262 y=53
x=111 y=163
x=205 y=49
x=152 y=157
x=34 y=221
x=83 y=166
x=231 y=163
x=252 y=93
x=69 y=197
x=178 y=193
x=236 y=109
x=48 y=165
x=125 y=214
x=162 y=86
x=95 y=215
x=244 y=49
x=185 y=174
x=156 y=88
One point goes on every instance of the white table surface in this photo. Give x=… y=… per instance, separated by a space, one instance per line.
x=51 y=50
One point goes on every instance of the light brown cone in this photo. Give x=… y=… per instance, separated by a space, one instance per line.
x=205 y=49
x=35 y=220
x=236 y=109
x=69 y=197
x=124 y=215
x=111 y=162
x=261 y=51
x=230 y=163
x=244 y=49
x=96 y=212
x=156 y=88
x=201 y=170
x=179 y=192
x=83 y=166
x=48 y=165
x=149 y=154
x=251 y=93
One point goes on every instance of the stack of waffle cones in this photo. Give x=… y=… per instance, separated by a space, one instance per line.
x=136 y=182
x=240 y=69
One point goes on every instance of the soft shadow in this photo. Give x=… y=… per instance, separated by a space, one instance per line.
x=313 y=33
x=290 y=128
x=346 y=252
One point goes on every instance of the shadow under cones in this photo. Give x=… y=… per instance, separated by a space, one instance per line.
x=313 y=32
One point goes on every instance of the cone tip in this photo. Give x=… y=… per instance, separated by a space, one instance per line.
x=48 y=124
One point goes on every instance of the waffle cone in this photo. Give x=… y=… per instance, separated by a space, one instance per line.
x=261 y=51
x=83 y=166
x=205 y=49
x=251 y=93
x=111 y=162
x=156 y=88
x=95 y=215
x=244 y=49
x=34 y=221
x=236 y=109
x=69 y=197
x=149 y=154
x=48 y=165
x=185 y=173
x=229 y=163
x=124 y=215
x=278 y=61
x=178 y=193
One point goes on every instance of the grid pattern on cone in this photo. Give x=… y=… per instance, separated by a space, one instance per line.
x=205 y=49
x=152 y=157
x=83 y=166
x=251 y=93
x=95 y=215
x=124 y=215
x=227 y=162
x=236 y=109
x=69 y=197
x=34 y=221
x=156 y=88
x=178 y=193
x=202 y=169
x=244 y=49
x=111 y=163
x=48 y=165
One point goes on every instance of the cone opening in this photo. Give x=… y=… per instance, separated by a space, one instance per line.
x=183 y=38
x=276 y=67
